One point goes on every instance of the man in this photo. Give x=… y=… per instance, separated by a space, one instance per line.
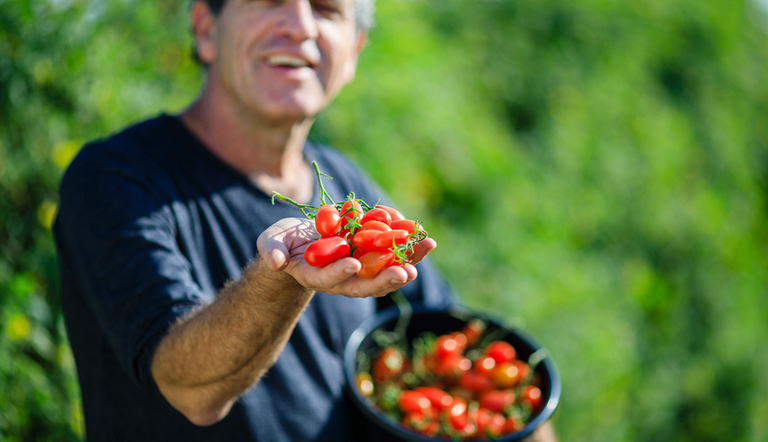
x=190 y=309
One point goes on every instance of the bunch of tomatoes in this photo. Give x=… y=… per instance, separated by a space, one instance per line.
x=377 y=236
x=461 y=385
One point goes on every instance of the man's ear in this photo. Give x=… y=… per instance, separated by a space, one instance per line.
x=351 y=67
x=203 y=24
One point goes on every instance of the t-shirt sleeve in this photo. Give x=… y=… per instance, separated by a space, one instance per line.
x=115 y=226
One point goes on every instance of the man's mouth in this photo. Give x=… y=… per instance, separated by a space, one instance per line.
x=284 y=60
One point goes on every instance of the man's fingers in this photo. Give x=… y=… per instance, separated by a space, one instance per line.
x=275 y=254
x=335 y=273
x=421 y=249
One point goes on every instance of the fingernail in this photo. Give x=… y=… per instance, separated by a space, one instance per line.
x=396 y=281
x=350 y=271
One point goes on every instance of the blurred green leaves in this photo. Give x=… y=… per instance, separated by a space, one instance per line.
x=594 y=170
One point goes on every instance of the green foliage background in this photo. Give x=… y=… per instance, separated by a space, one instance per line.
x=594 y=170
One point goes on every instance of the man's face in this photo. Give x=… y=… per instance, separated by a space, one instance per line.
x=282 y=59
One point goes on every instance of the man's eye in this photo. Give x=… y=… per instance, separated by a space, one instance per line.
x=327 y=7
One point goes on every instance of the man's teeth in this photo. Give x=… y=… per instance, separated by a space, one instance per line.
x=286 y=60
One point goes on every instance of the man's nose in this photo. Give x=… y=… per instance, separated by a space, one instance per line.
x=299 y=21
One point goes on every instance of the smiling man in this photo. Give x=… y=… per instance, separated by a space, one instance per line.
x=189 y=307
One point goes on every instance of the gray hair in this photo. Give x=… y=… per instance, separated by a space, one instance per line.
x=363 y=12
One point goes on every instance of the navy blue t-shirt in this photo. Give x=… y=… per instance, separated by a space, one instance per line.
x=150 y=226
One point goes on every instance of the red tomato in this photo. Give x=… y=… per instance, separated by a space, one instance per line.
x=473 y=330
x=376 y=226
x=352 y=214
x=373 y=262
x=497 y=400
x=523 y=368
x=387 y=239
x=325 y=251
x=404 y=224
x=388 y=363
x=437 y=397
x=392 y=212
x=501 y=351
x=507 y=375
x=445 y=345
x=327 y=220
x=532 y=395
x=460 y=338
x=475 y=382
x=414 y=402
x=485 y=365
x=512 y=425
x=489 y=423
x=380 y=215
x=457 y=414
x=495 y=426
x=364 y=239
x=452 y=366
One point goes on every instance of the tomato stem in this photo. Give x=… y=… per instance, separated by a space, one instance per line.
x=300 y=206
x=320 y=175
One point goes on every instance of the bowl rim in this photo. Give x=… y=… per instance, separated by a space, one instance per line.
x=373 y=322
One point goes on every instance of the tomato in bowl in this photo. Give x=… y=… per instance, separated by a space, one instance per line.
x=448 y=375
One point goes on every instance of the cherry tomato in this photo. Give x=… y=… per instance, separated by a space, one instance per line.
x=445 y=345
x=325 y=251
x=512 y=425
x=414 y=402
x=380 y=215
x=501 y=351
x=373 y=262
x=475 y=382
x=393 y=213
x=495 y=425
x=532 y=395
x=437 y=397
x=388 y=363
x=351 y=215
x=489 y=424
x=457 y=415
x=404 y=224
x=364 y=240
x=523 y=368
x=387 y=239
x=452 y=366
x=376 y=226
x=327 y=220
x=497 y=400
x=460 y=338
x=507 y=375
x=485 y=365
x=473 y=330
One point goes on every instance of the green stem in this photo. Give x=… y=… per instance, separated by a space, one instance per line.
x=320 y=175
x=297 y=204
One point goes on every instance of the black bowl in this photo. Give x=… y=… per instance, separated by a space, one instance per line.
x=441 y=322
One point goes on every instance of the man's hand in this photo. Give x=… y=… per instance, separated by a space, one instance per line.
x=282 y=247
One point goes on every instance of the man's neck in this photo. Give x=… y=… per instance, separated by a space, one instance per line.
x=269 y=153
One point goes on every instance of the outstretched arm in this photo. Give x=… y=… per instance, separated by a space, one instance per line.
x=212 y=356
